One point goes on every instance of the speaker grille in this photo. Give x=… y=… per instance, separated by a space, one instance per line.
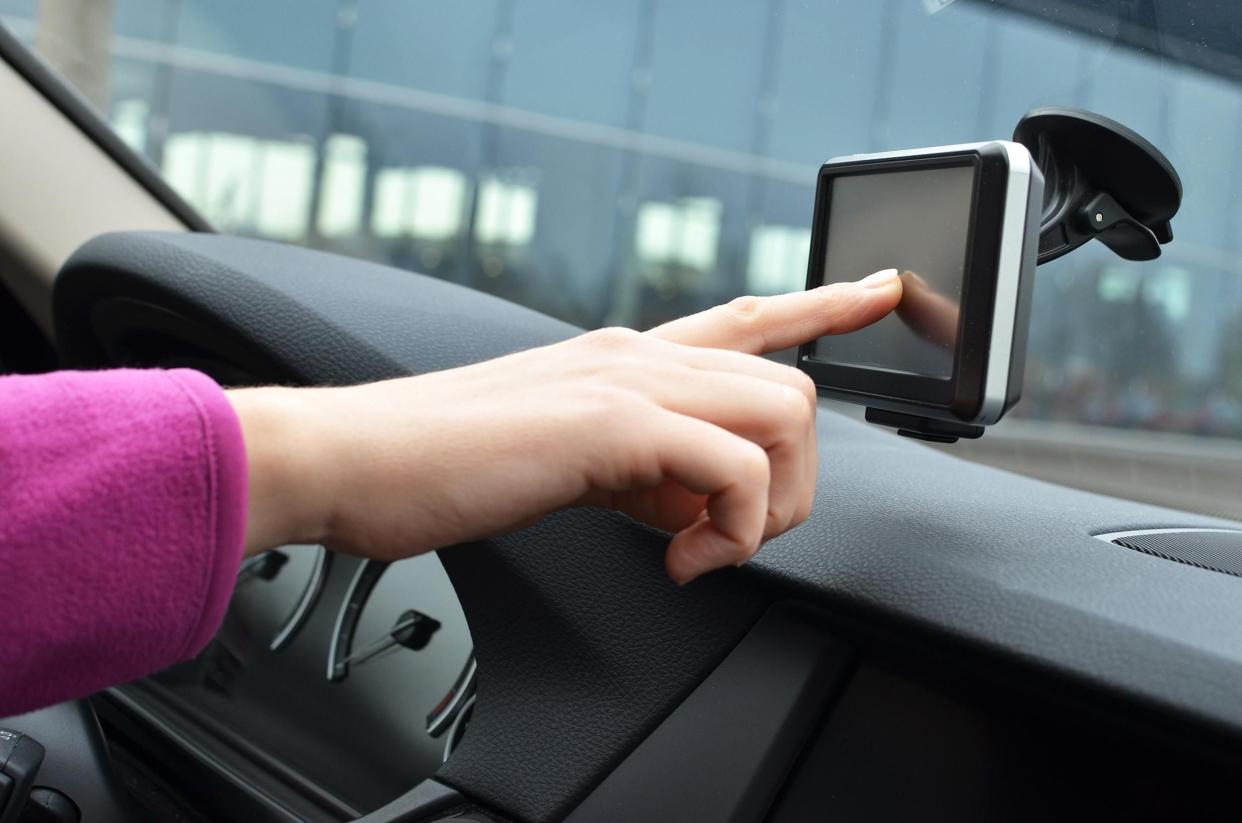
x=1216 y=550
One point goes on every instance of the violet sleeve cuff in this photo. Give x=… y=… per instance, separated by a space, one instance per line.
x=122 y=519
x=226 y=455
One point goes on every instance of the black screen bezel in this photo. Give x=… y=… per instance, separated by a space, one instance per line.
x=961 y=394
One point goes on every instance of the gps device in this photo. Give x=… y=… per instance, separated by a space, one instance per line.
x=961 y=224
x=966 y=225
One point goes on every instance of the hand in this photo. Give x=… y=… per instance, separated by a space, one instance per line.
x=681 y=427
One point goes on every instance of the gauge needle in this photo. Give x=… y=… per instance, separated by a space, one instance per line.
x=265 y=567
x=413 y=630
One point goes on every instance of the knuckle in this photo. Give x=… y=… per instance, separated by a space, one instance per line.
x=746 y=311
x=795 y=409
x=612 y=338
x=803 y=383
x=752 y=462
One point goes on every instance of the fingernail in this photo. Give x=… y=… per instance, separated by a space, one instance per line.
x=878 y=280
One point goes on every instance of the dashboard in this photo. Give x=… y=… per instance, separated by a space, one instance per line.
x=941 y=640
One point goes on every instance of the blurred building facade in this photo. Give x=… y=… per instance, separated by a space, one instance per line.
x=629 y=161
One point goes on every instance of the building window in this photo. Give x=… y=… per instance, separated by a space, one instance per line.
x=424 y=202
x=287 y=168
x=343 y=186
x=505 y=213
x=242 y=184
x=685 y=233
x=778 y=256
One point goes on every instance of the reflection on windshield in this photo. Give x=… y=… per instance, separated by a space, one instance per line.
x=632 y=161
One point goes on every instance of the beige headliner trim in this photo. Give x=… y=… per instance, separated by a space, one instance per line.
x=57 y=190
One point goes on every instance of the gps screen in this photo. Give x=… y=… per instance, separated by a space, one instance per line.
x=917 y=222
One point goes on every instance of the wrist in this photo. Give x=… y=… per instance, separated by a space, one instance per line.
x=287 y=471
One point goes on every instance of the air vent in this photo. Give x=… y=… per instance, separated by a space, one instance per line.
x=1217 y=550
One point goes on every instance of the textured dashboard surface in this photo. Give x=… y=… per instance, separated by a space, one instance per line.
x=317 y=317
x=583 y=646
x=1008 y=563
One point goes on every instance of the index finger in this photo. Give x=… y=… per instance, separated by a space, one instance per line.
x=757 y=325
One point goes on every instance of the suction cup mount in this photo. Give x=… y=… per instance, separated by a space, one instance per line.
x=1101 y=180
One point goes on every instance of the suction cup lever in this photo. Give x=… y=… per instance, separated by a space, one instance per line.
x=1115 y=228
x=1101 y=180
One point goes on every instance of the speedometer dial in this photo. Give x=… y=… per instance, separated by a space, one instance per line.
x=275 y=592
x=401 y=636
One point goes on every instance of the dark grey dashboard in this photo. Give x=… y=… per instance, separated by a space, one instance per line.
x=977 y=581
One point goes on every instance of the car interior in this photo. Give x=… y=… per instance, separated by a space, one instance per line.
x=1043 y=624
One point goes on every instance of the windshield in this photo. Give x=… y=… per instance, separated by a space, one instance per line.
x=631 y=161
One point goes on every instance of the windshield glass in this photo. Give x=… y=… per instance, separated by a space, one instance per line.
x=631 y=161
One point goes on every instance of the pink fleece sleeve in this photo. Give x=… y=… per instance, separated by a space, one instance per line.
x=122 y=518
